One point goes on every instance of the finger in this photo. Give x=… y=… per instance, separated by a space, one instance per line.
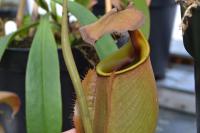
x=70 y=131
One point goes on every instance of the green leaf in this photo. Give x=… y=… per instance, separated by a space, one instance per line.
x=83 y=2
x=43 y=89
x=54 y=10
x=141 y=5
x=4 y=41
x=43 y=4
x=104 y=46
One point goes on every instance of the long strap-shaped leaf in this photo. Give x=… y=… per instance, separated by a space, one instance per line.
x=84 y=2
x=104 y=46
x=43 y=89
x=5 y=41
x=142 y=6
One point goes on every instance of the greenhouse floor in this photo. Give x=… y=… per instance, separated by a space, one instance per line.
x=175 y=122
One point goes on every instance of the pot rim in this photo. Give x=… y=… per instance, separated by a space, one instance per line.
x=21 y=49
x=18 y=49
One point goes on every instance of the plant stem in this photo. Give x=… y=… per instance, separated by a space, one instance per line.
x=68 y=57
x=20 y=13
x=108 y=5
x=54 y=11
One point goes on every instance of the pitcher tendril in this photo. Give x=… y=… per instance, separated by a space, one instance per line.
x=68 y=57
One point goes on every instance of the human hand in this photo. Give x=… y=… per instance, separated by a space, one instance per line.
x=70 y=131
x=148 y=2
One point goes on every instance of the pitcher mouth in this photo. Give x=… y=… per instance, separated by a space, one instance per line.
x=106 y=66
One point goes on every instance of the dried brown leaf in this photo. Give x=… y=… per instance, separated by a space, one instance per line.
x=11 y=99
x=114 y=21
x=117 y=3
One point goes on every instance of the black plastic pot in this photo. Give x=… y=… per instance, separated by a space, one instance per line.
x=12 y=78
x=191 y=36
x=191 y=40
x=8 y=13
x=162 y=15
